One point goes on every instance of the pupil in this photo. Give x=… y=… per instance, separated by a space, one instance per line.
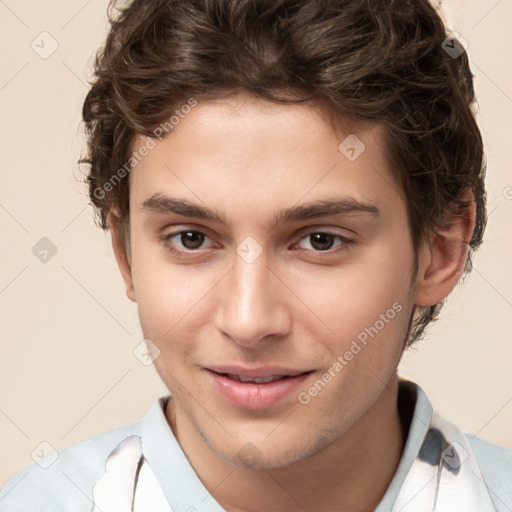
x=192 y=239
x=321 y=241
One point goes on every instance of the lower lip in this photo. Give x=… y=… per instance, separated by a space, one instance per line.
x=252 y=395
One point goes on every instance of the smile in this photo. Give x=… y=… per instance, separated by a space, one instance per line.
x=256 y=391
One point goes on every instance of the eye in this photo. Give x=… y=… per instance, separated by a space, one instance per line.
x=322 y=241
x=185 y=241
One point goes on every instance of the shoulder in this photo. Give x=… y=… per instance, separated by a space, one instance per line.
x=495 y=464
x=63 y=480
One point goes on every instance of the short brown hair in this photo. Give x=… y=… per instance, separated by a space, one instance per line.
x=380 y=60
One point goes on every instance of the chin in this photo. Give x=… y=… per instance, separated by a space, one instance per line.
x=264 y=454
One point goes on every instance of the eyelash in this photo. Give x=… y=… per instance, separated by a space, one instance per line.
x=347 y=243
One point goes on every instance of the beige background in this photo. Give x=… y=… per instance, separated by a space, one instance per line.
x=67 y=366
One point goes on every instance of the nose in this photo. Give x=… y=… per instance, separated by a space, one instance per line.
x=252 y=303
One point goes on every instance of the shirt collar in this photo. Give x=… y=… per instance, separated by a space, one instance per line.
x=178 y=480
x=412 y=402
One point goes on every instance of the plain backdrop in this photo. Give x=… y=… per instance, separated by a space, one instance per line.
x=67 y=367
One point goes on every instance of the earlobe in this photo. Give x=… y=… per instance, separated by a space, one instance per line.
x=442 y=259
x=120 y=254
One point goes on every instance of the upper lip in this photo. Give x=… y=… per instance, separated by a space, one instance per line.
x=259 y=372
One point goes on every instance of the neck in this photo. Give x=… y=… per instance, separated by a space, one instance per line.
x=352 y=473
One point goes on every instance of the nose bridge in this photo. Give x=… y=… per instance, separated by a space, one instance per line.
x=251 y=282
x=251 y=305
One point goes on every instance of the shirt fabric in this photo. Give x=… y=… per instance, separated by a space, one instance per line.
x=141 y=467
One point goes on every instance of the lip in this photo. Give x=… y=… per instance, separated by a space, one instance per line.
x=261 y=371
x=252 y=395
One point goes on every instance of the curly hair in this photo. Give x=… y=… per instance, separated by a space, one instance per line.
x=379 y=60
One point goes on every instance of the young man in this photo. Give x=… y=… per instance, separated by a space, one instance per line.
x=293 y=188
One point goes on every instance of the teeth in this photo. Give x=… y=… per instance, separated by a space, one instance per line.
x=255 y=379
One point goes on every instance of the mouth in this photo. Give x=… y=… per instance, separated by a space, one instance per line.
x=258 y=388
x=258 y=380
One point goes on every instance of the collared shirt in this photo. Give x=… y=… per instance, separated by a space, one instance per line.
x=141 y=467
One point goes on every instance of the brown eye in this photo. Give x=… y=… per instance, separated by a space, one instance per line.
x=321 y=241
x=185 y=241
x=192 y=239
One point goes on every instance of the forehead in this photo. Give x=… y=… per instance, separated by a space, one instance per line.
x=266 y=152
x=222 y=117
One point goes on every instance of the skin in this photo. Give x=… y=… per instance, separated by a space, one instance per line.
x=296 y=305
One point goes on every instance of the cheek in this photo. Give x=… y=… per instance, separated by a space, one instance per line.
x=170 y=299
x=362 y=288
x=366 y=301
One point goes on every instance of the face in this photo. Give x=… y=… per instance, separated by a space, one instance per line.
x=262 y=249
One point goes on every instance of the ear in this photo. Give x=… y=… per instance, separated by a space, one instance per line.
x=121 y=257
x=443 y=257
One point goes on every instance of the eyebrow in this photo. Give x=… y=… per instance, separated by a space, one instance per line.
x=343 y=205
